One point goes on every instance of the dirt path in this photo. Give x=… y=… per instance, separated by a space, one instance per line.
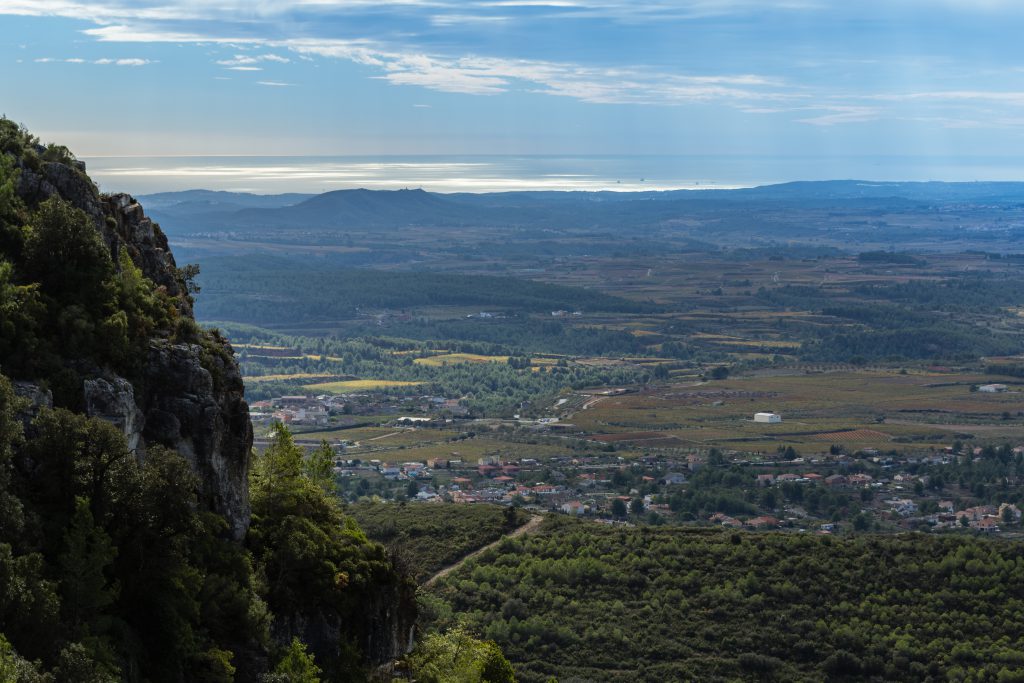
x=527 y=528
x=383 y=436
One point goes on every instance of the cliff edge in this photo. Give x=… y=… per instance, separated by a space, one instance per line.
x=188 y=395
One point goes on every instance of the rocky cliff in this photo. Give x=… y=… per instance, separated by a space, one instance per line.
x=189 y=396
x=97 y=329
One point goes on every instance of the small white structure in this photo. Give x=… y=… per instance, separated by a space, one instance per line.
x=768 y=418
x=992 y=388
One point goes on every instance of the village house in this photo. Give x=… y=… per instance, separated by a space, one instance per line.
x=978 y=512
x=573 y=507
x=989 y=525
x=763 y=522
x=390 y=471
x=904 y=507
x=835 y=480
x=673 y=479
x=725 y=520
x=1015 y=512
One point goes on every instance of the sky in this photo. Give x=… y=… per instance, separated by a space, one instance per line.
x=817 y=80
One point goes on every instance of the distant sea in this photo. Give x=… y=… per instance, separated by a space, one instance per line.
x=272 y=175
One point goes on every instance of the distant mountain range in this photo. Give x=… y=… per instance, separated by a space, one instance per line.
x=360 y=209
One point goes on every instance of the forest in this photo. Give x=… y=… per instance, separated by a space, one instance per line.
x=286 y=291
x=430 y=537
x=577 y=601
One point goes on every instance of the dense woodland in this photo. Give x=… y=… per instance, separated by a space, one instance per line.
x=431 y=537
x=283 y=291
x=581 y=601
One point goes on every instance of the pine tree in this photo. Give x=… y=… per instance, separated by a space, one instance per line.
x=319 y=468
x=88 y=552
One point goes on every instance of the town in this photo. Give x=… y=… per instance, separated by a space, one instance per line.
x=546 y=465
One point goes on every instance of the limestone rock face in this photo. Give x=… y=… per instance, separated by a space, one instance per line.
x=202 y=415
x=68 y=182
x=190 y=397
x=114 y=401
x=127 y=225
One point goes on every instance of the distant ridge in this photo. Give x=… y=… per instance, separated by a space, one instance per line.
x=362 y=208
x=201 y=210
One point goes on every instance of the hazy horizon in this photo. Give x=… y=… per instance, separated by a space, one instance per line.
x=500 y=173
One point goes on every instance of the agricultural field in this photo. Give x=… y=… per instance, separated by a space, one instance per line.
x=456 y=358
x=870 y=408
x=351 y=385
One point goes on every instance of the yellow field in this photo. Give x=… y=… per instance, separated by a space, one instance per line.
x=357 y=385
x=278 y=378
x=455 y=358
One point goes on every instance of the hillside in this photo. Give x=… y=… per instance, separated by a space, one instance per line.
x=579 y=601
x=137 y=539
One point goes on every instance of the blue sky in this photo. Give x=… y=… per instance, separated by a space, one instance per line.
x=942 y=79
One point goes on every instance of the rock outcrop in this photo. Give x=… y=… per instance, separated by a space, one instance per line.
x=114 y=401
x=190 y=396
x=193 y=402
x=126 y=225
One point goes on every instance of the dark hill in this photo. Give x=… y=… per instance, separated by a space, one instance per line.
x=363 y=209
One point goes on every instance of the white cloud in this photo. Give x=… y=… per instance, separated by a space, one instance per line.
x=244 y=60
x=842 y=114
x=465 y=19
x=103 y=62
x=275 y=84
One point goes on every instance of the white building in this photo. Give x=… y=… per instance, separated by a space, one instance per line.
x=992 y=388
x=768 y=418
